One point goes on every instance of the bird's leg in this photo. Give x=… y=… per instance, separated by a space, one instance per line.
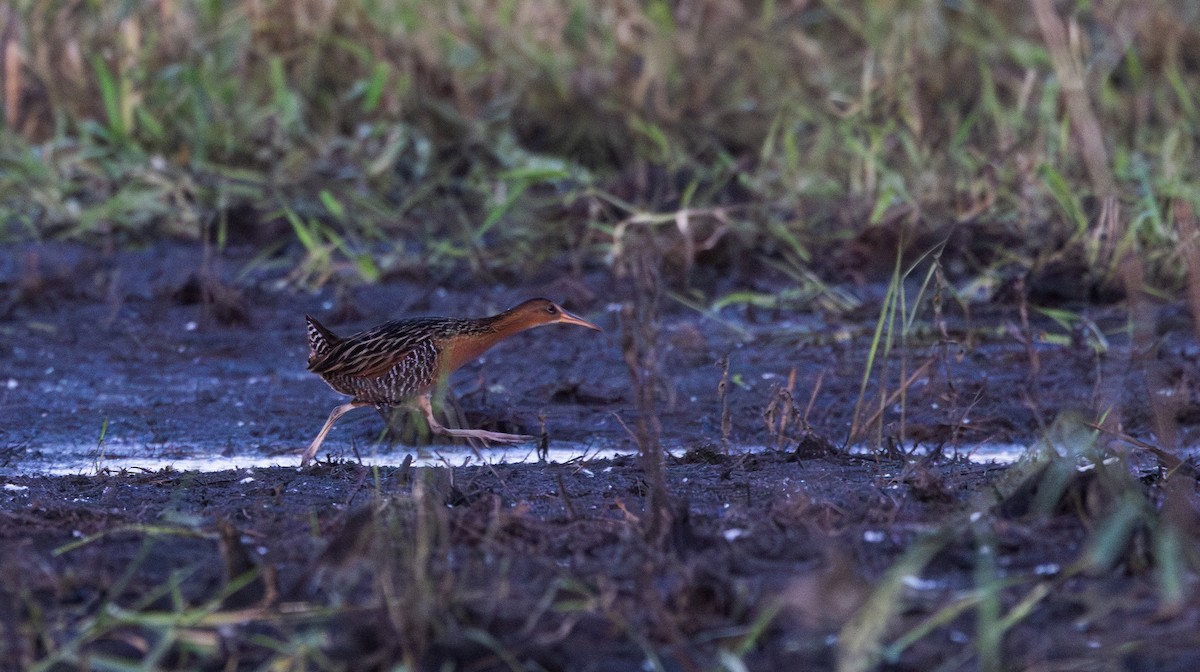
x=333 y=417
x=482 y=434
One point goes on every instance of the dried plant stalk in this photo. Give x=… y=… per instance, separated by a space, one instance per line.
x=1083 y=118
x=639 y=339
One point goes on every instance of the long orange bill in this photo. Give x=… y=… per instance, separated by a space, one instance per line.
x=569 y=318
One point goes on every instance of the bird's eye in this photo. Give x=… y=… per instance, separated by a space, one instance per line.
x=552 y=309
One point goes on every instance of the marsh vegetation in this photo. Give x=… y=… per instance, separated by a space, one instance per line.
x=865 y=239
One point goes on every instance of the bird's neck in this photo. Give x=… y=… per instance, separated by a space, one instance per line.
x=465 y=347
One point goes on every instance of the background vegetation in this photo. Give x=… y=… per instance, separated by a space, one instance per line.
x=380 y=137
x=1054 y=142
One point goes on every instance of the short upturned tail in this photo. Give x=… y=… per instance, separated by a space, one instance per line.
x=320 y=340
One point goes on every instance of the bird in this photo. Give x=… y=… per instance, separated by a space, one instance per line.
x=403 y=361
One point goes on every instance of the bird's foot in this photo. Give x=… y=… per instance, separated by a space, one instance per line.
x=486 y=436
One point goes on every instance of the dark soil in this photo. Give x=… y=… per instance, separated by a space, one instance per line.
x=106 y=361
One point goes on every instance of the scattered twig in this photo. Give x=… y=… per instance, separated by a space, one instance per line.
x=566 y=499
x=723 y=395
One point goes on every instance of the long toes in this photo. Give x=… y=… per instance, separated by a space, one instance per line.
x=509 y=438
x=499 y=437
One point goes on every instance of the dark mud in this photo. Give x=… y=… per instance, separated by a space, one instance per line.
x=118 y=347
x=110 y=369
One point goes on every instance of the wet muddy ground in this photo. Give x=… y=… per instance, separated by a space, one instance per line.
x=113 y=373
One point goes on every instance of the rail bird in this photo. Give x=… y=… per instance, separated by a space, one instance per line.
x=402 y=361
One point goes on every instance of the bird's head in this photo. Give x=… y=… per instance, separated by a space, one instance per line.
x=536 y=312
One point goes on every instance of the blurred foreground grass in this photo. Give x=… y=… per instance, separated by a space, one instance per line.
x=365 y=138
x=374 y=137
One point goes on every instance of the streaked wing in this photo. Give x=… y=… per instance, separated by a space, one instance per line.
x=372 y=353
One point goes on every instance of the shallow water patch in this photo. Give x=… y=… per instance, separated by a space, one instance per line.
x=76 y=459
